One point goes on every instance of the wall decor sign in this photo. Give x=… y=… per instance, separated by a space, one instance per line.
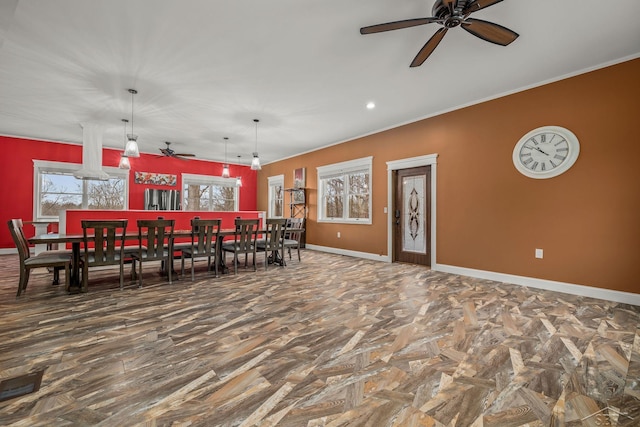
x=155 y=178
x=298 y=178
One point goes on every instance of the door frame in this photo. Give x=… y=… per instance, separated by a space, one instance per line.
x=412 y=162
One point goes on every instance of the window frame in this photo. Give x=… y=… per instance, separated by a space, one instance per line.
x=47 y=166
x=344 y=170
x=274 y=181
x=195 y=179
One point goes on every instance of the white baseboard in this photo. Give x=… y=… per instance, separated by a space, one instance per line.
x=550 y=285
x=8 y=251
x=567 y=288
x=356 y=254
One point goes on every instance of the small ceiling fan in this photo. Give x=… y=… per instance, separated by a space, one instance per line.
x=168 y=152
x=450 y=14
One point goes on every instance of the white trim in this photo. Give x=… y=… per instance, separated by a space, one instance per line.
x=343 y=169
x=531 y=282
x=346 y=252
x=208 y=180
x=273 y=181
x=412 y=162
x=468 y=104
x=195 y=179
x=68 y=167
x=9 y=251
x=550 y=285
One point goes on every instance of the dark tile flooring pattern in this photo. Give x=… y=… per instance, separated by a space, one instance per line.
x=329 y=341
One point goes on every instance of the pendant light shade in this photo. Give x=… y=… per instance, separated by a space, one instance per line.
x=124 y=163
x=131 y=149
x=124 y=159
x=255 y=162
x=225 y=167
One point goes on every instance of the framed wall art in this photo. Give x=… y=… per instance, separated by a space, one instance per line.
x=298 y=178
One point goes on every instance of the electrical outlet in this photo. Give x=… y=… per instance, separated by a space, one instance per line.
x=338 y=234
x=539 y=253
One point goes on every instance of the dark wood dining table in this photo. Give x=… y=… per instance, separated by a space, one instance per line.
x=76 y=239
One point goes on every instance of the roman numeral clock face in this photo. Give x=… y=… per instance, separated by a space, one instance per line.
x=546 y=152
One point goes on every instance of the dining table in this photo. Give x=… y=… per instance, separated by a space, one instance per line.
x=75 y=240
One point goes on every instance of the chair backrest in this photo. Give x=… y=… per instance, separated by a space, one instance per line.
x=20 y=240
x=205 y=234
x=155 y=235
x=108 y=240
x=294 y=229
x=275 y=233
x=246 y=234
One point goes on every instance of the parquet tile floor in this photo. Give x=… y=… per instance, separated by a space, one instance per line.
x=329 y=341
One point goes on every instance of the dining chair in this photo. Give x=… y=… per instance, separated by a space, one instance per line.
x=273 y=244
x=103 y=245
x=244 y=241
x=204 y=244
x=57 y=260
x=155 y=243
x=293 y=235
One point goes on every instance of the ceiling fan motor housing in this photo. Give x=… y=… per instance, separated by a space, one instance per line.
x=441 y=11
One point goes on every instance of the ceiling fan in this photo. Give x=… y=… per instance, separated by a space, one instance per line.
x=168 y=152
x=450 y=14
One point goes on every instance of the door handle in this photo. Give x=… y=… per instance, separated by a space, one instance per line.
x=397 y=215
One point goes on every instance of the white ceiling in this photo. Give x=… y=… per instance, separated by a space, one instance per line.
x=204 y=69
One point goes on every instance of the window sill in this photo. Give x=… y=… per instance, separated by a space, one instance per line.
x=345 y=221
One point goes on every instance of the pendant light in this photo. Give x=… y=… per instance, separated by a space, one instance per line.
x=124 y=160
x=131 y=149
x=255 y=162
x=239 y=178
x=225 y=167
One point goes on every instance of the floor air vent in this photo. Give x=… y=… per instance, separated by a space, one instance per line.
x=19 y=386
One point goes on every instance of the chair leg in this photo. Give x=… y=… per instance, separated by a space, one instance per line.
x=193 y=269
x=140 y=274
x=85 y=276
x=298 y=252
x=121 y=274
x=56 y=276
x=67 y=276
x=170 y=268
x=24 y=278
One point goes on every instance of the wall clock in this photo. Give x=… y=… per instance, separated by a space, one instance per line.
x=546 y=152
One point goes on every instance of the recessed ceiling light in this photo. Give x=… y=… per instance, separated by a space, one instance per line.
x=371 y=105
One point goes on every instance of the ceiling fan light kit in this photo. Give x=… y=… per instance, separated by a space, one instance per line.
x=450 y=14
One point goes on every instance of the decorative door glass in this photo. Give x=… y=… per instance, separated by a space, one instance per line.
x=414 y=214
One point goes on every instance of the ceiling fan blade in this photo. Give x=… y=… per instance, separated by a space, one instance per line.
x=428 y=48
x=477 y=5
x=489 y=31
x=397 y=25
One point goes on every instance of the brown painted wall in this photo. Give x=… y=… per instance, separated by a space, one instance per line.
x=489 y=216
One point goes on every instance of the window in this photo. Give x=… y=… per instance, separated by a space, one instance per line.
x=56 y=189
x=345 y=191
x=209 y=193
x=276 y=196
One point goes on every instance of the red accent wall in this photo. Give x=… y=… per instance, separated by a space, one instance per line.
x=16 y=176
